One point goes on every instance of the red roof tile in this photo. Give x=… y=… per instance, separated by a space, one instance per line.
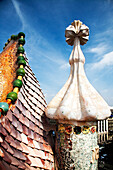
x=24 y=148
x=6 y=157
x=35 y=162
x=1 y=153
x=4 y=166
x=24 y=138
x=9 y=115
x=16 y=112
x=19 y=137
x=7 y=125
x=24 y=141
x=4 y=145
x=21 y=165
x=13 y=167
x=13 y=132
x=30 y=142
x=1 y=140
x=19 y=126
x=18 y=146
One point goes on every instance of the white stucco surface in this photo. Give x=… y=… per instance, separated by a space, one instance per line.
x=77 y=101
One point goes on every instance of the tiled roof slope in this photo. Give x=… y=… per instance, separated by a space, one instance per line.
x=25 y=143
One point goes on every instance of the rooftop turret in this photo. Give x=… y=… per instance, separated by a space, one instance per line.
x=77 y=102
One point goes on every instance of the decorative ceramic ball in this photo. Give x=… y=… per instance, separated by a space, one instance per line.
x=21 y=34
x=12 y=37
x=22 y=62
x=9 y=40
x=21 y=41
x=4 y=107
x=20 y=50
x=12 y=96
x=6 y=43
x=15 y=37
x=20 y=58
x=17 y=83
x=20 y=72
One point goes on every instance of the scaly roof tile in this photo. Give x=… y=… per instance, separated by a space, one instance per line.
x=9 y=115
x=24 y=148
x=13 y=167
x=4 y=166
x=6 y=157
x=7 y=125
x=24 y=138
x=19 y=126
x=23 y=130
x=35 y=162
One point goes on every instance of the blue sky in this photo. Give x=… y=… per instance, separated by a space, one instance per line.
x=44 y=23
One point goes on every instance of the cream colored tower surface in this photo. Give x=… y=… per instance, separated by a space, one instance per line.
x=77 y=102
x=77 y=107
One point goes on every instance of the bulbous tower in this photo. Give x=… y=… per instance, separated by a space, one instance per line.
x=77 y=107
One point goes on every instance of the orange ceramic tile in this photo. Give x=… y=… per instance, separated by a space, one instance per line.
x=10 y=149
x=30 y=142
x=32 y=116
x=16 y=112
x=26 y=121
x=24 y=138
x=19 y=155
x=4 y=166
x=35 y=162
x=36 y=144
x=6 y=156
x=28 y=161
x=24 y=148
x=21 y=165
x=18 y=146
x=31 y=152
x=19 y=126
x=30 y=134
x=14 y=121
x=9 y=115
x=25 y=130
x=18 y=137
x=47 y=165
x=2 y=130
x=13 y=132
x=6 y=125
x=28 y=114
x=14 y=161
x=1 y=139
x=4 y=145
x=1 y=153
x=13 y=167
x=40 y=153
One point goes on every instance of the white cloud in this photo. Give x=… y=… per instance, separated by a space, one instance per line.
x=65 y=66
x=99 y=49
x=19 y=13
x=107 y=60
x=106 y=93
x=39 y=46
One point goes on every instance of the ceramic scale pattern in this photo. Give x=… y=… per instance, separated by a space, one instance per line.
x=74 y=151
x=24 y=139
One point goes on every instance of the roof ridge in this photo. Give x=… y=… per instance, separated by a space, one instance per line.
x=17 y=84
